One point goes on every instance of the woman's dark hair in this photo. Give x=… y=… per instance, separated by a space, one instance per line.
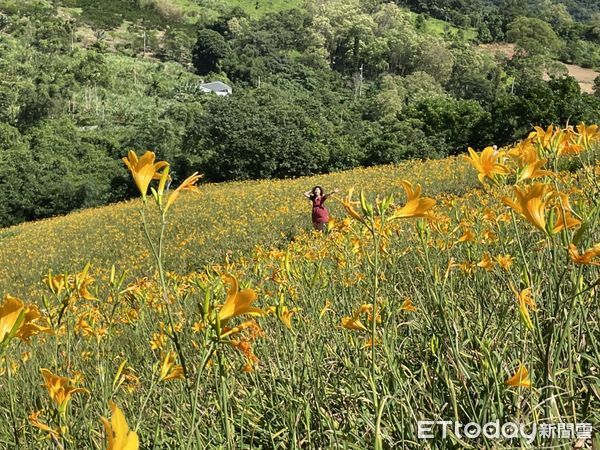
x=314 y=191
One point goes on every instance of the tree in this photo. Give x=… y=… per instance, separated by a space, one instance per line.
x=263 y=133
x=534 y=36
x=210 y=49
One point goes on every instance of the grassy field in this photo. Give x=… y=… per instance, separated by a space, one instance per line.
x=222 y=217
x=227 y=323
x=439 y=27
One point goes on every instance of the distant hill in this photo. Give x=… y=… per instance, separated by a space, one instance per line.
x=317 y=87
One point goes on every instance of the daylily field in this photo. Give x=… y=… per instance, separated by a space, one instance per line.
x=206 y=316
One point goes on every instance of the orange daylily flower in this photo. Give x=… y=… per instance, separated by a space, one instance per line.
x=349 y=206
x=408 y=305
x=118 y=434
x=169 y=370
x=238 y=302
x=587 y=257
x=586 y=135
x=189 y=184
x=487 y=164
x=354 y=323
x=59 y=389
x=416 y=206
x=35 y=422
x=486 y=262
x=532 y=201
x=144 y=169
x=526 y=302
x=18 y=320
x=520 y=378
x=542 y=136
x=530 y=163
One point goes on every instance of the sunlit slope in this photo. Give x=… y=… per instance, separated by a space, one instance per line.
x=204 y=227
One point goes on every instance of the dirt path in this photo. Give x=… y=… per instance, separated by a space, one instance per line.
x=584 y=76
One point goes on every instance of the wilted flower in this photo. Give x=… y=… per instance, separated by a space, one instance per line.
x=34 y=420
x=588 y=257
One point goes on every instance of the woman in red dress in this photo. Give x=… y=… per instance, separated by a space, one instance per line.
x=320 y=215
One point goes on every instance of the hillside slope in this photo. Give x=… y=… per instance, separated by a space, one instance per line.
x=204 y=227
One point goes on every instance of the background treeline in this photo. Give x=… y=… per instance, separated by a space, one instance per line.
x=320 y=86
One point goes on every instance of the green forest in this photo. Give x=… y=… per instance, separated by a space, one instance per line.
x=318 y=86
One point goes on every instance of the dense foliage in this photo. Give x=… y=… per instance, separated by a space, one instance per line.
x=330 y=86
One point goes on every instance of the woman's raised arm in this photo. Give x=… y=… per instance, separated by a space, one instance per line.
x=335 y=191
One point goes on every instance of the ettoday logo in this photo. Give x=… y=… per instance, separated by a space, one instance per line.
x=430 y=429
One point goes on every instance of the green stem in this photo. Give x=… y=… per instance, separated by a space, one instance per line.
x=377 y=442
x=12 y=404
x=157 y=252
x=150 y=391
x=224 y=399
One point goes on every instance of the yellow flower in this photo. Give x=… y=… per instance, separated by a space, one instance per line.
x=531 y=165
x=144 y=169
x=542 y=136
x=407 y=305
x=486 y=262
x=285 y=315
x=354 y=323
x=11 y=315
x=586 y=135
x=468 y=236
x=245 y=346
x=34 y=421
x=169 y=370
x=526 y=302
x=118 y=434
x=198 y=326
x=564 y=215
x=59 y=389
x=416 y=206
x=487 y=164
x=18 y=320
x=158 y=341
x=505 y=261
x=189 y=184
x=238 y=303
x=325 y=308
x=370 y=343
x=349 y=206
x=520 y=378
x=532 y=201
x=56 y=284
x=587 y=257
